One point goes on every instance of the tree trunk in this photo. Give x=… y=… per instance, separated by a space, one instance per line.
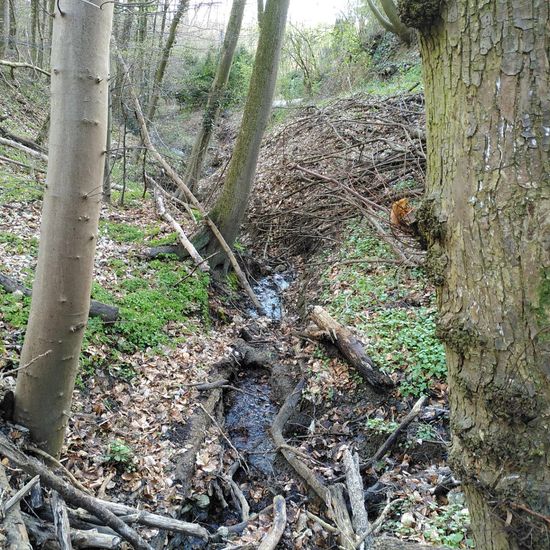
x=4 y=27
x=34 y=31
x=229 y=210
x=61 y=292
x=215 y=97
x=487 y=218
x=161 y=69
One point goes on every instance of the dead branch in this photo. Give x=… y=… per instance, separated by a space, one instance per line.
x=107 y=313
x=186 y=243
x=24 y=148
x=270 y=541
x=61 y=521
x=18 y=65
x=34 y=467
x=352 y=349
x=15 y=535
x=354 y=483
x=43 y=534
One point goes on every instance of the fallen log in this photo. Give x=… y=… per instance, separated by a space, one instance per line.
x=352 y=349
x=23 y=140
x=24 y=148
x=43 y=534
x=61 y=521
x=185 y=242
x=107 y=313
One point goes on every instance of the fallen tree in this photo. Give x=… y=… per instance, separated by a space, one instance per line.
x=107 y=313
x=352 y=349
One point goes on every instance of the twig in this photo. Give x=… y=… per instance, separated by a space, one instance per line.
x=17 y=65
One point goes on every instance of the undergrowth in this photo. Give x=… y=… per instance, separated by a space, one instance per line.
x=392 y=309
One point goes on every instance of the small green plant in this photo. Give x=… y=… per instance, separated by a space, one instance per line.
x=450 y=526
x=381 y=426
x=14 y=309
x=426 y=432
x=126 y=233
x=120 y=454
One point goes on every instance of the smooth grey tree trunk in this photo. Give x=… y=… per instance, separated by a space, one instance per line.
x=70 y=214
x=215 y=96
x=228 y=211
x=486 y=216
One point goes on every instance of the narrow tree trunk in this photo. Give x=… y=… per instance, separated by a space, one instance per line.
x=161 y=69
x=215 y=97
x=229 y=210
x=487 y=218
x=34 y=31
x=61 y=292
x=5 y=27
x=107 y=165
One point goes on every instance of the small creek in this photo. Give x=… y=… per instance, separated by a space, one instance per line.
x=250 y=412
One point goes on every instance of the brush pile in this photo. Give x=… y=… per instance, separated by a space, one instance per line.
x=351 y=159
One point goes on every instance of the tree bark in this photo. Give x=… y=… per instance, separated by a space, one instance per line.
x=486 y=216
x=215 y=97
x=70 y=215
x=5 y=26
x=229 y=210
x=161 y=69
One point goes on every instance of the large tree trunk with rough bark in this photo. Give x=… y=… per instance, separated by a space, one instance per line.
x=70 y=214
x=228 y=211
x=486 y=215
x=215 y=97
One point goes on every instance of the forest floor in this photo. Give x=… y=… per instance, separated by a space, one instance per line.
x=139 y=422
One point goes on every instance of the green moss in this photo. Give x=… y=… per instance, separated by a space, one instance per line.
x=460 y=335
x=171 y=238
x=436 y=265
x=431 y=228
x=17 y=245
x=419 y=14
x=127 y=233
x=543 y=307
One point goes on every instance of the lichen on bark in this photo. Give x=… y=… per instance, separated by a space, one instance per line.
x=418 y=14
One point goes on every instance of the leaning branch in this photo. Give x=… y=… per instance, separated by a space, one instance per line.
x=186 y=243
x=171 y=173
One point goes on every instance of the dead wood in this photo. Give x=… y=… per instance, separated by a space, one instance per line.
x=354 y=483
x=333 y=496
x=352 y=349
x=21 y=164
x=16 y=145
x=77 y=498
x=185 y=242
x=61 y=521
x=43 y=534
x=270 y=541
x=22 y=140
x=17 y=65
x=107 y=313
x=197 y=425
x=14 y=535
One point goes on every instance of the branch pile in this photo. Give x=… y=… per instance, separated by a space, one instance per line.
x=351 y=159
